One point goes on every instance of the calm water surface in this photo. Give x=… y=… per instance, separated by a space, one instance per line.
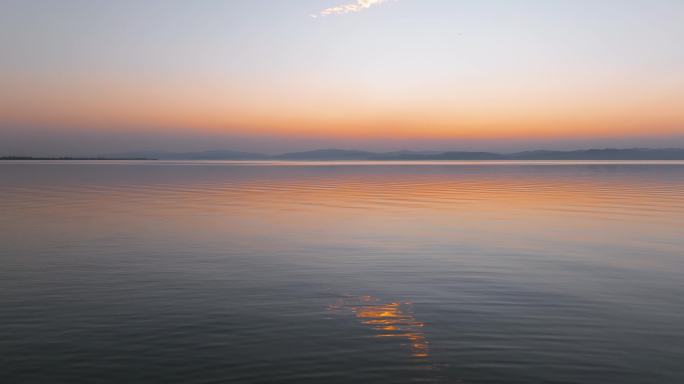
x=168 y=272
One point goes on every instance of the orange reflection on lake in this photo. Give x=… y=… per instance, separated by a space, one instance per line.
x=388 y=320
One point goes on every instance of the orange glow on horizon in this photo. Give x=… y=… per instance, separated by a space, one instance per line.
x=215 y=107
x=405 y=72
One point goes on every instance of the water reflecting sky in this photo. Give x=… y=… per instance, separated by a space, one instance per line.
x=249 y=273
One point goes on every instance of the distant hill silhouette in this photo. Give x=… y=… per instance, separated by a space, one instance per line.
x=440 y=156
x=588 y=154
x=343 y=154
x=603 y=154
x=327 y=154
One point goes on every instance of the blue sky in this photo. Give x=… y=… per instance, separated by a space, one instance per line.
x=266 y=75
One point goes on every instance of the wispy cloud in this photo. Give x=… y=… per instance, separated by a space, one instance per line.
x=358 y=6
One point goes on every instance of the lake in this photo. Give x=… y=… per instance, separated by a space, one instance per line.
x=358 y=272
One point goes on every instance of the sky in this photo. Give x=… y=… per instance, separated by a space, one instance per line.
x=96 y=76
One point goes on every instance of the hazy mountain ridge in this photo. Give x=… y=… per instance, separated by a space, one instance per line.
x=326 y=154
x=333 y=154
x=603 y=154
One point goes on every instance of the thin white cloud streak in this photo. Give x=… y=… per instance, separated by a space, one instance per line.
x=359 y=6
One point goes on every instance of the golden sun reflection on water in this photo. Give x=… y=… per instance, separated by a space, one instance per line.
x=388 y=320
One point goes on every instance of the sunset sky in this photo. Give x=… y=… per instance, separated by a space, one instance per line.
x=95 y=76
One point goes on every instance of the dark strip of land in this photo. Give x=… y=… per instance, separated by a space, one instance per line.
x=66 y=158
x=343 y=154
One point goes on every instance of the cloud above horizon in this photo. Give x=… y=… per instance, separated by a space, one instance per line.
x=344 y=9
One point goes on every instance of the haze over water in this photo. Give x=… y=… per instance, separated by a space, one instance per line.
x=219 y=272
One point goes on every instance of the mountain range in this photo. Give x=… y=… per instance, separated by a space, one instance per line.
x=342 y=154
